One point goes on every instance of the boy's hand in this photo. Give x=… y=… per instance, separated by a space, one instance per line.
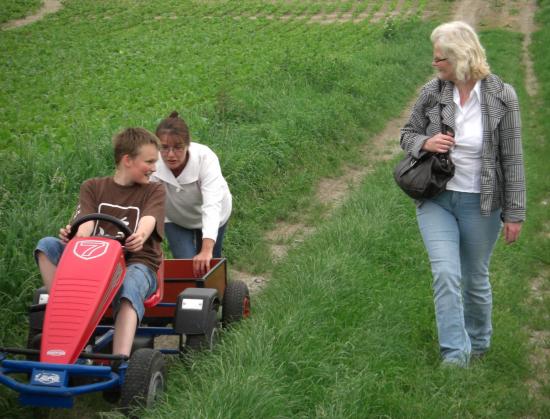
x=64 y=233
x=135 y=242
x=84 y=230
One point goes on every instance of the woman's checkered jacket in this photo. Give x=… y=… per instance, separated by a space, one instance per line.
x=502 y=172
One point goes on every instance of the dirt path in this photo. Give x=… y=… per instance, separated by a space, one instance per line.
x=331 y=192
x=49 y=6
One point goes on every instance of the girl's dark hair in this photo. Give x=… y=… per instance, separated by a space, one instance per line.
x=174 y=126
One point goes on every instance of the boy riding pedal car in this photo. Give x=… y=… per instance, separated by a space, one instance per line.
x=129 y=196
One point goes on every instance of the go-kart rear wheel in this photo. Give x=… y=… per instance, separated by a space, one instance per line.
x=236 y=302
x=145 y=379
x=34 y=339
x=36 y=320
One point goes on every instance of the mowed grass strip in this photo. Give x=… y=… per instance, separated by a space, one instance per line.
x=346 y=326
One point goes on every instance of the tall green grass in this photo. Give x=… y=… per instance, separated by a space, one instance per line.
x=282 y=103
x=346 y=326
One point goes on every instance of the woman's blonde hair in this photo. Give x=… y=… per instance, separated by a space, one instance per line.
x=460 y=45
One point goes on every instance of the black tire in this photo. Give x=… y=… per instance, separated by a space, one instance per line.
x=112 y=395
x=34 y=338
x=236 y=302
x=36 y=321
x=202 y=342
x=145 y=380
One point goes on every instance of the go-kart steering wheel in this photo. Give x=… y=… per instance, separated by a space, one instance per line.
x=103 y=217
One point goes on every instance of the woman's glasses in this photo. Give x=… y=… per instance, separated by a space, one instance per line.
x=165 y=149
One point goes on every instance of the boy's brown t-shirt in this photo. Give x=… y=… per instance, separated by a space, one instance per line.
x=129 y=204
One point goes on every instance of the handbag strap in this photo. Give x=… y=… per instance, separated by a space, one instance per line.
x=443 y=127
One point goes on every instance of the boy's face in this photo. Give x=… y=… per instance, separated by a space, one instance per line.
x=141 y=167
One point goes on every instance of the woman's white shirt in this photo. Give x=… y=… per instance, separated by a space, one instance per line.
x=466 y=153
x=199 y=197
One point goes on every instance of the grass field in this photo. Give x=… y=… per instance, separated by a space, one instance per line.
x=345 y=327
x=282 y=103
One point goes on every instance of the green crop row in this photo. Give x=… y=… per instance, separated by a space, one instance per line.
x=16 y=9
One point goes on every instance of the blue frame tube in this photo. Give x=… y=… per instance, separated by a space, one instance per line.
x=38 y=395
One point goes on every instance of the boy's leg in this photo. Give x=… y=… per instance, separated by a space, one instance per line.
x=125 y=327
x=47 y=254
x=139 y=283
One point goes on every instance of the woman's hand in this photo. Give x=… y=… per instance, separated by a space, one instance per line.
x=201 y=262
x=439 y=143
x=511 y=232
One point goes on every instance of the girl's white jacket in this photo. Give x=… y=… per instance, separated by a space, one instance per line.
x=199 y=197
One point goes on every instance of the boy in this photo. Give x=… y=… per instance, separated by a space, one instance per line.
x=129 y=196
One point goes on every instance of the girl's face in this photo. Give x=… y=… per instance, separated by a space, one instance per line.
x=173 y=151
x=441 y=63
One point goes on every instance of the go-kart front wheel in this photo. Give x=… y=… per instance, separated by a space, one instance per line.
x=145 y=379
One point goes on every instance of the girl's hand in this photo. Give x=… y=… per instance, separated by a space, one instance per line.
x=201 y=262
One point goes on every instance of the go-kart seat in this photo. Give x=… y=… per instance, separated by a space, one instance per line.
x=156 y=297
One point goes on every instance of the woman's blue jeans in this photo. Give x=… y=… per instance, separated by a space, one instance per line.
x=185 y=243
x=459 y=242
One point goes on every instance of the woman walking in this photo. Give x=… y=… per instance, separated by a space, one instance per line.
x=460 y=226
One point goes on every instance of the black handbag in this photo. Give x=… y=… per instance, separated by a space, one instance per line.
x=427 y=176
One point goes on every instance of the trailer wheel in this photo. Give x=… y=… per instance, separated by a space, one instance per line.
x=202 y=342
x=236 y=302
x=145 y=379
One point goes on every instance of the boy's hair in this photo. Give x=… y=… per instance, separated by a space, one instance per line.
x=174 y=126
x=130 y=140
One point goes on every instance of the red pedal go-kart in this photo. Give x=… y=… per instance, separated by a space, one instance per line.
x=71 y=329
